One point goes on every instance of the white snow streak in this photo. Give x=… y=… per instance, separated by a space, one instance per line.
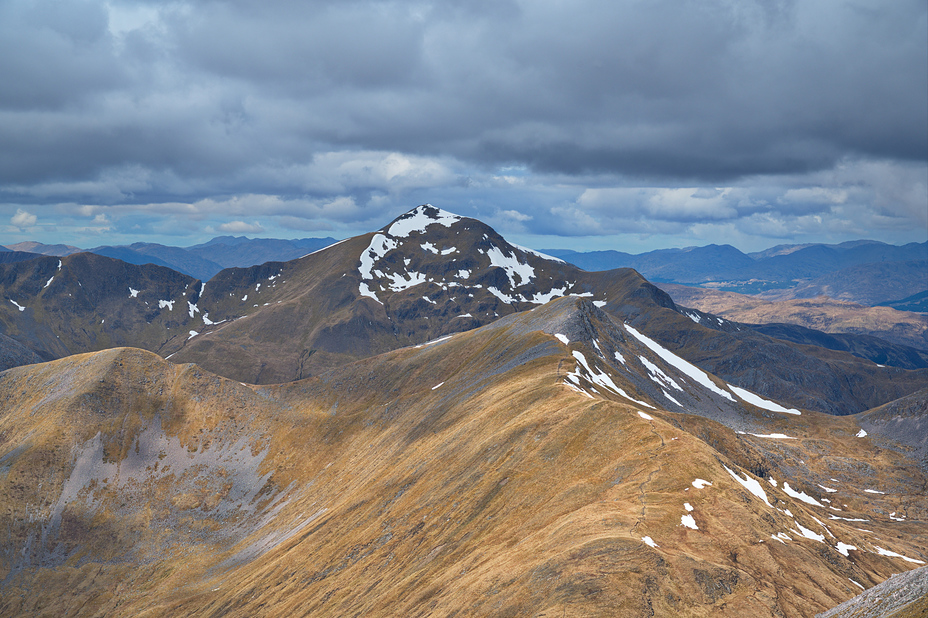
x=513 y=267
x=892 y=554
x=760 y=402
x=686 y=367
x=801 y=495
x=843 y=549
x=751 y=485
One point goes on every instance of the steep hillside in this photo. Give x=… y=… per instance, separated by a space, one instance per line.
x=77 y=303
x=528 y=467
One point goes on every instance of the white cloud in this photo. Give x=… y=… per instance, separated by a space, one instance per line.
x=23 y=218
x=240 y=227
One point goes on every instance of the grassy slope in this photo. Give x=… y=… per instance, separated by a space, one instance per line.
x=824 y=314
x=499 y=492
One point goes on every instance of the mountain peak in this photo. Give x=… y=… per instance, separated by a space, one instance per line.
x=439 y=250
x=418 y=219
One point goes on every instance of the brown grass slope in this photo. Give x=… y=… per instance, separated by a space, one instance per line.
x=822 y=313
x=464 y=477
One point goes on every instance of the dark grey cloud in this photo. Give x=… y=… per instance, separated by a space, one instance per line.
x=134 y=103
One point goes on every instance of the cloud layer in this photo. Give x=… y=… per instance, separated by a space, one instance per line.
x=770 y=119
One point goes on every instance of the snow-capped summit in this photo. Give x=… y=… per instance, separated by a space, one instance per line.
x=441 y=251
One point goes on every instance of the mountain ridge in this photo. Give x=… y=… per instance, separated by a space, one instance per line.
x=462 y=475
x=425 y=275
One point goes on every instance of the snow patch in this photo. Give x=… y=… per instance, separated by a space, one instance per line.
x=599 y=378
x=659 y=376
x=418 y=219
x=133 y=293
x=646 y=417
x=843 y=548
x=18 y=306
x=562 y=338
x=380 y=245
x=861 y=434
x=538 y=253
x=892 y=554
x=701 y=484
x=511 y=264
x=649 y=541
x=688 y=521
x=49 y=282
x=363 y=290
x=686 y=367
x=809 y=534
x=750 y=484
x=760 y=402
x=445 y=338
x=801 y=495
x=506 y=299
x=166 y=303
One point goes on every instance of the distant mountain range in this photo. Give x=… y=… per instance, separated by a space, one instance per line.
x=864 y=271
x=429 y=420
x=200 y=261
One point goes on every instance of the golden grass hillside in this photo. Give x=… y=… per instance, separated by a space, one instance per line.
x=468 y=476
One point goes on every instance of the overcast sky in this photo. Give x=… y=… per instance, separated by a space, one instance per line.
x=625 y=124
